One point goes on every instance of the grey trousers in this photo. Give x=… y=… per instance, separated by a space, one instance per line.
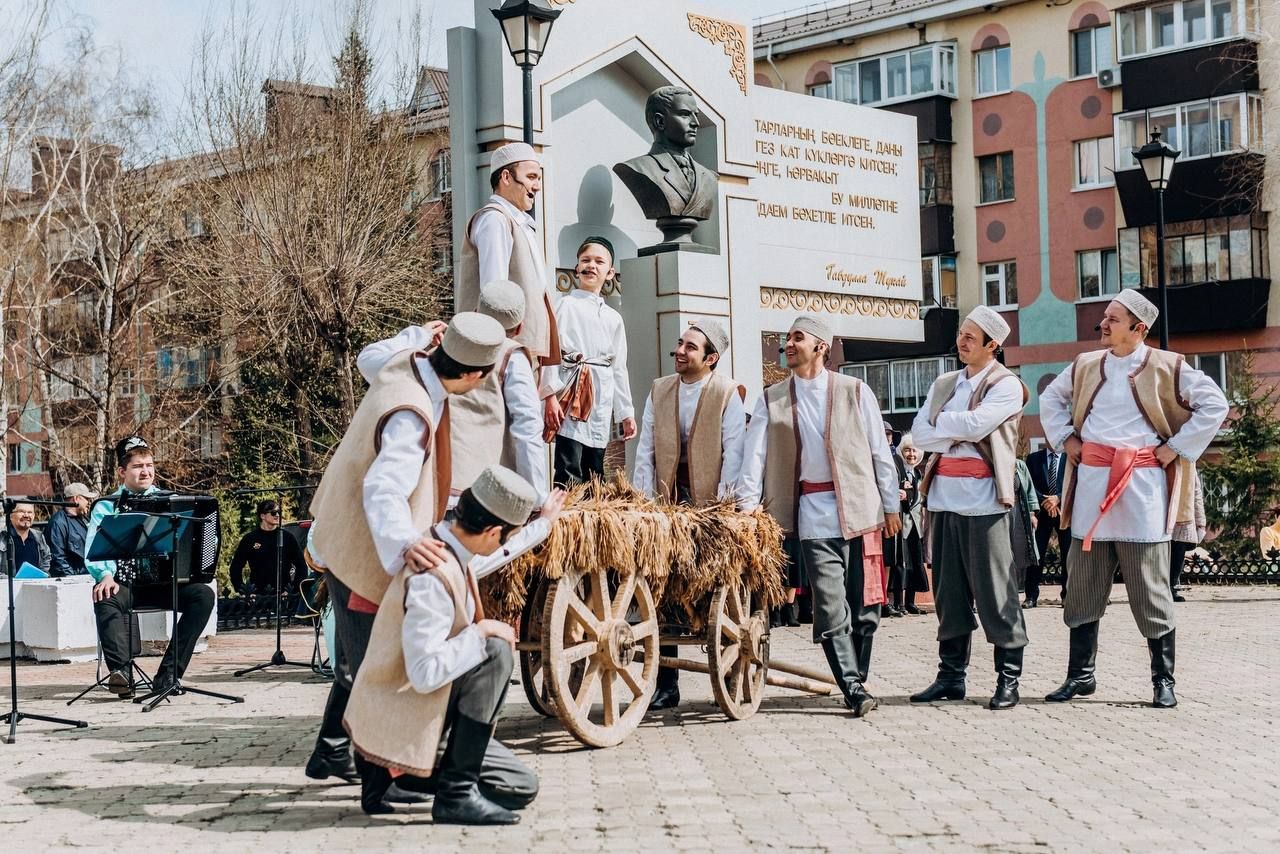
x=1145 y=570
x=834 y=568
x=351 y=634
x=973 y=565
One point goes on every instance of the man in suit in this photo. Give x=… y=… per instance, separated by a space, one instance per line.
x=1046 y=475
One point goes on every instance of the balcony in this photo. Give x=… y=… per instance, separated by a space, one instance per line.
x=932 y=114
x=937 y=230
x=1203 y=72
x=1229 y=185
x=940 y=325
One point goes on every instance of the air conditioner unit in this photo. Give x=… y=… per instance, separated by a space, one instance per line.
x=1109 y=77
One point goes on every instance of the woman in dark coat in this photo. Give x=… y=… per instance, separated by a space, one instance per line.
x=910 y=576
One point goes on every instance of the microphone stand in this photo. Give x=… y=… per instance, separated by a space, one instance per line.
x=13 y=716
x=278 y=658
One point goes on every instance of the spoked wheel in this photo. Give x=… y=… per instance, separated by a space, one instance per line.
x=532 y=672
x=607 y=625
x=737 y=651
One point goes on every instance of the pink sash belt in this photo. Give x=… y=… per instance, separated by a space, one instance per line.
x=1121 y=462
x=963 y=467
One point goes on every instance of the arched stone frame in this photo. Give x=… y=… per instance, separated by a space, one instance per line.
x=1088 y=16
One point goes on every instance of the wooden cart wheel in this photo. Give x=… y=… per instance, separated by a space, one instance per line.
x=610 y=625
x=737 y=651
x=532 y=673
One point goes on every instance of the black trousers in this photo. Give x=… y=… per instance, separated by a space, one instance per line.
x=1047 y=526
x=351 y=640
x=195 y=604
x=1177 y=559
x=576 y=462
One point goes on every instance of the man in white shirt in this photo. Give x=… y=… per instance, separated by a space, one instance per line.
x=589 y=390
x=970 y=420
x=827 y=428
x=502 y=244
x=1132 y=420
x=691 y=439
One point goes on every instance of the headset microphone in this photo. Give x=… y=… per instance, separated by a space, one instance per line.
x=1098 y=328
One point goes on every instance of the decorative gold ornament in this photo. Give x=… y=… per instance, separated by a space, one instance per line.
x=734 y=37
x=786 y=299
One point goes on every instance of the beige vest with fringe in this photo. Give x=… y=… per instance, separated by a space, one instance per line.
x=703 y=452
x=1155 y=386
x=858 y=501
x=478 y=423
x=1000 y=448
x=342 y=537
x=538 y=331
x=390 y=723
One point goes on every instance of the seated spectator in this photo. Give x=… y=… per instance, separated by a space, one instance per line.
x=66 y=532
x=29 y=544
x=258 y=549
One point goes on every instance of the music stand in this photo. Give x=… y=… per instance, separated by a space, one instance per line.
x=132 y=535
x=13 y=716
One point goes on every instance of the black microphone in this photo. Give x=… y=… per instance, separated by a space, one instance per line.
x=1098 y=328
x=782 y=349
x=672 y=353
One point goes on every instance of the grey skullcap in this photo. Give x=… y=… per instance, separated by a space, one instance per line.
x=505 y=494
x=815 y=326
x=511 y=154
x=1139 y=306
x=473 y=340
x=504 y=302
x=990 y=322
x=715 y=333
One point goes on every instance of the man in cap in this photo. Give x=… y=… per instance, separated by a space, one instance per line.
x=825 y=427
x=1132 y=421
x=970 y=422
x=431 y=635
x=691 y=438
x=66 y=532
x=394 y=464
x=502 y=244
x=500 y=420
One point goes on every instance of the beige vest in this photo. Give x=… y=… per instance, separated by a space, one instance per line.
x=704 y=452
x=1000 y=448
x=478 y=423
x=538 y=331
x=1155 y=392
x=390 y=723
x=858 y=501
x=342 y=536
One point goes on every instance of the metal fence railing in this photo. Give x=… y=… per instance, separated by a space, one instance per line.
x=1215 y=570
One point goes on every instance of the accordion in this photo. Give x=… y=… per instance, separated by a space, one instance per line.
x=198 y=537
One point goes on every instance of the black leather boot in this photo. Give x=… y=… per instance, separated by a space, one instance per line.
x=1162 y=671
x=331 y=756
x=667 y=694
x=791 y=614
x=1080 y=665
x=842 y=658
x=953 y=660
x=862 y=649
x=458 y=798
x=1008 y=670
x=374 y=783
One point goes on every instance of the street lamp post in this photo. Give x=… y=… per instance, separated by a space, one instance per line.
x=526 y=25
x=1157 y=160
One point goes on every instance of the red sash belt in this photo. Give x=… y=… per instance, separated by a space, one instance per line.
x=361 y=605
x=809 y=487
x=1121 y=462
x=963 y=467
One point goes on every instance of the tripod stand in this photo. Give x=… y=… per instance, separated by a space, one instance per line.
x=278 y=658
x=13 y=716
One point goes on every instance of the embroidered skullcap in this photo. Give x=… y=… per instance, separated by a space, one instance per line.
x=1139 y=306
x=505 y=494
x=510 y=154
x=715 y=333
x=504 y=302
x=815 y=326
x=989 y=321
x=473 y=339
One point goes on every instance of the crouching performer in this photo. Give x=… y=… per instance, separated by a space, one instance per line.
x=427 y=699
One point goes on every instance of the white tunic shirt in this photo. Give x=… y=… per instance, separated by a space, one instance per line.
x=1140 y=514
x=733 y=428
x=818 y=518
x=590 y=327
x=957 y=429
x=519 y=394
x=492 y=239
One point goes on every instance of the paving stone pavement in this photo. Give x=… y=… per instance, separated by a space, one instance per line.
x=1103 y=774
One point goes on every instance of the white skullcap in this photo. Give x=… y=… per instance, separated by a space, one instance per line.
x=512 y=152
x=473 y=339
x=714 y=332
x=504 y=302
x=989 y=321
x=1139 y=306
x=814 y=326
x=505 y=494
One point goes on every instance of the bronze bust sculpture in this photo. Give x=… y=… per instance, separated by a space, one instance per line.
x=671 y=187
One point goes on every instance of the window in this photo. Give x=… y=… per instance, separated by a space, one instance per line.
x=1094 y=164
x=1097 y=273
x=821 y=90
x=935 y=173
x=1203 y=250
x=193 y=223
x=992 y=68
x=903 y=385
x=1090 y=51
x=1197 y=129
x=1215 y=367
x=441 y=175
x=1000 y=284
x=893 y=77
x=444 y=258
x=939 y=276
x=1172 y=26
x=869 y=82
x=995 y=174
x=25 y=458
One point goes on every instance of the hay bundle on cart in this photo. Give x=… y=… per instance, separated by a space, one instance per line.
x=617 y=572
